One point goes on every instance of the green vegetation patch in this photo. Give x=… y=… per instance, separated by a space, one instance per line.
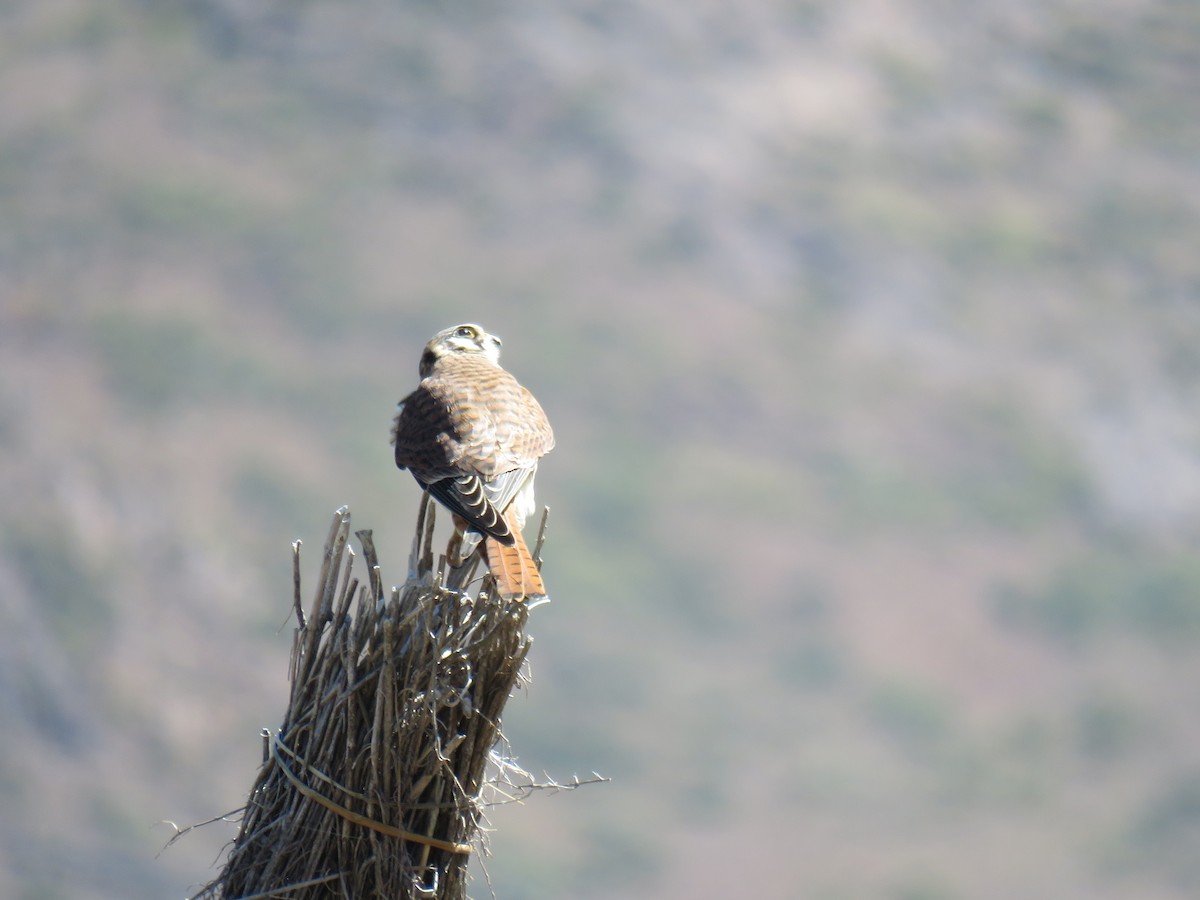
x=915 y=717
x=70 y=591
x=156 y=362
x=1122 y=590
x=1164 y=834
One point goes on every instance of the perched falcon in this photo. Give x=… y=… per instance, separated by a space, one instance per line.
x=472 y=437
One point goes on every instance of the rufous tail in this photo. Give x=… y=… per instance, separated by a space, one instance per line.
x=512 y=565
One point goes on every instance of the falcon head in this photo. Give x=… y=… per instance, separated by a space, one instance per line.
x=466 y=338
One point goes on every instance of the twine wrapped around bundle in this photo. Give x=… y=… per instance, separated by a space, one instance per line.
x=371 y=787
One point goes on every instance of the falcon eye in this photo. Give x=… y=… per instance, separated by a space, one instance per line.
x=466 y=331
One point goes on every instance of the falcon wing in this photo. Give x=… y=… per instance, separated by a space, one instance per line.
x=467 y=496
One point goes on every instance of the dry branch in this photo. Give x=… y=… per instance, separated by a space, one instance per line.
x=372 y=786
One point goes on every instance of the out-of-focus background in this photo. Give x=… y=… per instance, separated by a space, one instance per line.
x=871 y=336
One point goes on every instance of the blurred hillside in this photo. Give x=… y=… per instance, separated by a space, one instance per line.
x=871 y=338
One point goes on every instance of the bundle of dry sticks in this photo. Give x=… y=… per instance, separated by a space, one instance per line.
x=372 y=786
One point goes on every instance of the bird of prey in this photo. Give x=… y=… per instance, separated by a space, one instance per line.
x=472 y=437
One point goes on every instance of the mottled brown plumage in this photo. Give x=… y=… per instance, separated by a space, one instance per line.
x=472 y=436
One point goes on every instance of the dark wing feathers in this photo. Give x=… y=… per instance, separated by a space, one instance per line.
x=465 y=496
